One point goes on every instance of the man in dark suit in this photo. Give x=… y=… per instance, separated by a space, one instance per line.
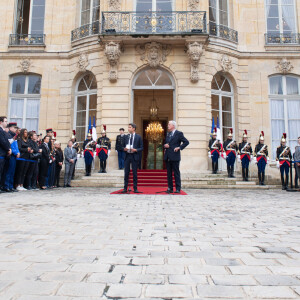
x=175 y=142
x=132 y=146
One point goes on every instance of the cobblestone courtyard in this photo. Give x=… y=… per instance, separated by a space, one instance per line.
x=212 y=244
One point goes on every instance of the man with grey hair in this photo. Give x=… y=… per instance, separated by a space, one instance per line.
x=175 y=142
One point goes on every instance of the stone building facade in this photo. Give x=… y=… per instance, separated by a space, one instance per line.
x=67 y=63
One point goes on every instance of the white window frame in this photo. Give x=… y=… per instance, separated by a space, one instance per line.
x=91 y=13
x=280 y=17
x=24 y=97
x=86 y=93
x=30 y=17
x=230 y=95
x=285 y=98
x=218 y=14
x=154 y=5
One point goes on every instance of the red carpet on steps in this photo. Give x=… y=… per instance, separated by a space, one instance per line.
x=151 y=182
x=146 y=190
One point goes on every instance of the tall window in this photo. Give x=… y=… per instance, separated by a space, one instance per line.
x=281 y=17
x=30 y=17
x=222 y=103
x=85 y=105
x=218 y=13
x=284 y=98
x=154 y=5
x=90 y=11
x=25 y=93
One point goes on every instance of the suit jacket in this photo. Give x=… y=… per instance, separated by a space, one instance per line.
x=177 y=140
x=45 y=153
x=70 y=153
x=137 y=144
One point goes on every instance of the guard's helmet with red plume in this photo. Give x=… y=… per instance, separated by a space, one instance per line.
x=245 y=134
x=262 y=136
x=215 y=131
x=283 y=139
x=230 y=132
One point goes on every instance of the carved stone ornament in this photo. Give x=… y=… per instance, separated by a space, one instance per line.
x=193 y=4
x=25 y=65
x=83 y=62
x=284 y=66
x=225 y=63
x=113 y=53
x=154 y=53
x=114 y=5
x=194 y=51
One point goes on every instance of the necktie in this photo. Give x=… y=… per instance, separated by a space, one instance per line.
x=131 y=139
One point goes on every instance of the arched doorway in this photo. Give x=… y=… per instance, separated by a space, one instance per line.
x=148 y=86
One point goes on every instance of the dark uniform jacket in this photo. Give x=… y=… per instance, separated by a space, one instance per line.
x=286 y=156
x=120 y=141
x=217 y=146
x=233 y=146
x=137 y=144
x=177 y=140
x=104 y=142
x=258 y=148
x=4 y=143
x=247 y=149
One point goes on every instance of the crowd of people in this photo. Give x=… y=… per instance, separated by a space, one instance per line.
x=29 y=161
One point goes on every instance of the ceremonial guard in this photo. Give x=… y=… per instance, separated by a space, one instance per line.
x=89 y=147
x=284 y=157
x=75 y=146
x=119 y=144
x=261 y=155
x=214 y=148
x=103 y=150
x=230 y=149
x=245 y=153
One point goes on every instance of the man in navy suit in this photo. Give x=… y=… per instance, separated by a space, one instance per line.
x=175 y=142
x=133 y=147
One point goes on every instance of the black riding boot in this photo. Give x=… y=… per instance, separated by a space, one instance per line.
x=282 y=181
x=86 y=170
x=104 y=167
x=228 y=170
x=286 y=181
x=213 y=167
x=259 y=178
x=243 y=174
x=232 y=172
x=89 y=170
x=101 y=167
x=263 y=178
x=217 y=166
x=246 y=174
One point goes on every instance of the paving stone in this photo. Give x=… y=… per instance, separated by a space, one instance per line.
x=277 y=280
x=165 y=269
x=232 y=280
x=144 y=278
x=274 y=292
x=90 y=268
x=249 y=270
x=81 y=289
x=124 y=291
x=188 y=279
x=231 y=292
x=62 y=276
x=169 y=291
x=207 y=270
x=104 y=278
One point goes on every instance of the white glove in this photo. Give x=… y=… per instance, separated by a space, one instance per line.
x=268 y=160
x=209 y=154
x=224 y=155
x=251 y=157
x=98 y=146
x=254 y=160
x=108 y=152
x=239 y=158
x=277 y=164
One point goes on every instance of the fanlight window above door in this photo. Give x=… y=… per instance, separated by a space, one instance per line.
x=153 y=79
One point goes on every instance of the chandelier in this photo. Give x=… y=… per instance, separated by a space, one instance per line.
x=154 y=130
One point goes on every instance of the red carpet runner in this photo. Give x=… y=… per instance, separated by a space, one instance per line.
x=151 y=182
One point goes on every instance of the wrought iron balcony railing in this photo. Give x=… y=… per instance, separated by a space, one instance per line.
x=84 y=31
x=154 y=22
x=282 y=38
x=223 y=32
x=26 y=39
